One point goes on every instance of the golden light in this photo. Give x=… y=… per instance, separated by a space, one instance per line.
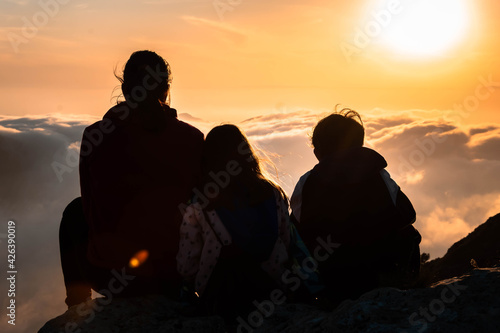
x=138 y=259
x=427 y=28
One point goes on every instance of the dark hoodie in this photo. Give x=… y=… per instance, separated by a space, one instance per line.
x=136 y=169
x=345 y=200
x=346 y=197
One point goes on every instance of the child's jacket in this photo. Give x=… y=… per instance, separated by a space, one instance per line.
x=351 y=197
x=350 y=203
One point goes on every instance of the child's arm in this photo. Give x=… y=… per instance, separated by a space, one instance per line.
x=190 y=245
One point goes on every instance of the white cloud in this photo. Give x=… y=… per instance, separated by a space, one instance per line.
x=32 y=196
x=8 y=130
x=449 y=172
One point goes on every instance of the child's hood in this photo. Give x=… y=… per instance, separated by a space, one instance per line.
x=350 y=166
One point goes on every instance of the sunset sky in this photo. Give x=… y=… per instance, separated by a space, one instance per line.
x=424 y=75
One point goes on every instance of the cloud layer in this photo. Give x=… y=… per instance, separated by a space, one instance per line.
x=33 y=197
x=450 y=173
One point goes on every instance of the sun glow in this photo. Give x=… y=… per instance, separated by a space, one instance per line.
x=427 y=28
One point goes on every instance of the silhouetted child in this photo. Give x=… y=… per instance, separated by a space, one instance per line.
x=352 y=215
x=235 y=234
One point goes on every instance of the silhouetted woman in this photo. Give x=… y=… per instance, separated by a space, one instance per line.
x=137 y=166
x=235 y=234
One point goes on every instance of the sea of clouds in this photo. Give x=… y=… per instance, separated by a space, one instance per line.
x=449 y=171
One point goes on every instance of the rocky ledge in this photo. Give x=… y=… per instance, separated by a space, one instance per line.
x=453 y=297
x=468 y=303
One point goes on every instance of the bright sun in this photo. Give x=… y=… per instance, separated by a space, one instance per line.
x=427 y=28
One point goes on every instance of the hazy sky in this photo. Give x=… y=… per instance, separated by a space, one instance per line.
x=425 y=76
x=251 y=57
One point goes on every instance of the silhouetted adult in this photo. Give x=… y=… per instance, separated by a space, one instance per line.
x=137 y=166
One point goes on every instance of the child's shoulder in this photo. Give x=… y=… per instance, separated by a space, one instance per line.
x=363 y=155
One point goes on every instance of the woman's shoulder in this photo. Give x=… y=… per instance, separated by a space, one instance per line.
x=182 y=125
x=278 y=195
x=277 y=191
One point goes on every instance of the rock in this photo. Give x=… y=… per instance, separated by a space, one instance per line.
x=468 y=303
x=139 y=314
x=481 y=248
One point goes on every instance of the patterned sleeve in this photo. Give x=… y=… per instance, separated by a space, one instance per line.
x=190 y=245
x=274 y=265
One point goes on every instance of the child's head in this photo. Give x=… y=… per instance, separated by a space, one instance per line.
x=339 y=131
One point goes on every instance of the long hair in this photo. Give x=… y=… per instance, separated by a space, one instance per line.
x=230 y=162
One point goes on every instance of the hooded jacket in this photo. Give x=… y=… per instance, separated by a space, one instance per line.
x=135 y=170
x=351 y=198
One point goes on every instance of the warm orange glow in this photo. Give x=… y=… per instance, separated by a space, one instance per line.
x=256 y=58
x=138 y=259
x=427 y=28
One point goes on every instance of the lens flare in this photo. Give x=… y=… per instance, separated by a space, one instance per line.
x=138 y=259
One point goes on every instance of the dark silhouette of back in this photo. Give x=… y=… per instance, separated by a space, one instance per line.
x=349 y=199
x=137 y=166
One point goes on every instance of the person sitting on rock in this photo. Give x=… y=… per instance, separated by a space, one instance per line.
x=235 y=234
x=349 y=202
x=136 y=166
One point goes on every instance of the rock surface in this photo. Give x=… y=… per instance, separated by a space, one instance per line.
x=469 y=303
x=482 y=245
x=140 y=314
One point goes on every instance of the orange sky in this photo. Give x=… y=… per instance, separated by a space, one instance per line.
x=281 y=62
x=259 y=57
